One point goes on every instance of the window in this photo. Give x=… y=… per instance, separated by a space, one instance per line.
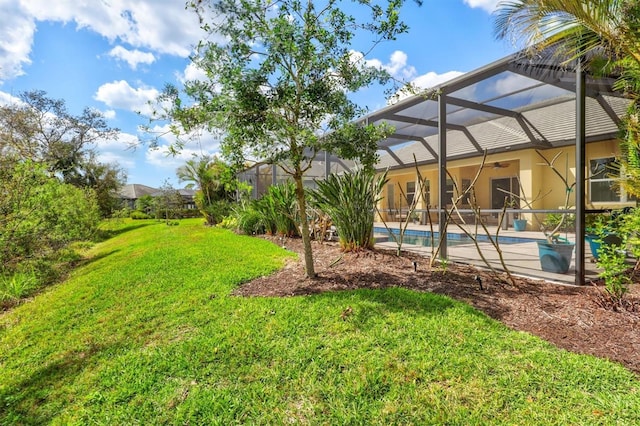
x=449 y=198
x=411 y=192
x=466 y=183
x=604 y=173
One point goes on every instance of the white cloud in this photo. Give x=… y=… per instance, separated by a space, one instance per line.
x=191 y=73
x=197 y=144
x=487 y=5
x=16 y=37
x=396 y=66
x=118 y=150
x=119 y=94
x=425 y=81
x=161 y=26
x=9 y=99
x=132 y=57
x=109 y=114
x=432 y=79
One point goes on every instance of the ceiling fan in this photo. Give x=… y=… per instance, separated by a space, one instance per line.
x=499 y=165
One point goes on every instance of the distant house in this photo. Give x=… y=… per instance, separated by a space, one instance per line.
x=188 y=197
x=130 y=193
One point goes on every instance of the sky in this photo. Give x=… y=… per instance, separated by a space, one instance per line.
x=117 y=55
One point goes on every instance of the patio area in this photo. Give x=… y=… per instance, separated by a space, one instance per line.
x=520 y=252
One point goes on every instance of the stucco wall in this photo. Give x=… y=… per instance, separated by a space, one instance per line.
x=540 y=185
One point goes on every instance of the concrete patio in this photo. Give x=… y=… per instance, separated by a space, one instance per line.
x=521 y=257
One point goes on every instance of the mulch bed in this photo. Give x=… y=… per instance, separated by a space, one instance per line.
x=571 y=317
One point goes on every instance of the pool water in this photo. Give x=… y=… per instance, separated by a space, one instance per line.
x=424 y=238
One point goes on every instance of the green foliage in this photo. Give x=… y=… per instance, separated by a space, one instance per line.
x=612 y=259
x=229 y=222
x=279 y=83
x=213 y=211
x=278 y=209
x=630 y=149
x=148 y=331
x=612 y=256
x=146 y=204
x=249 y=218
x=17 y=285
x=552 y=220
x=168 y=203
x=41 y=130
x=138 y=215
x=216 y=185
x=350 y=201
x=122 y=213
x=41 y=215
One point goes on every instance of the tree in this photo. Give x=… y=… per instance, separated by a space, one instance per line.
x=146 y=204
x=41 y=130
x=168 y=202
x=215 y=182
x=575 y=27
x=104 y=179
x=278 y=84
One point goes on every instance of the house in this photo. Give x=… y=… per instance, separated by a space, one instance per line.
x=130 y=193
x=511 y=110
x=516 y=110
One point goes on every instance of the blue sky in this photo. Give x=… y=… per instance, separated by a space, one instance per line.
x=117 y=55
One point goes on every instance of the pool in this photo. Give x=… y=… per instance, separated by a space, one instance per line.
x=424 y=238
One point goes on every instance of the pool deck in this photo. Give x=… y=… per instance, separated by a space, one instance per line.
x=521 y=258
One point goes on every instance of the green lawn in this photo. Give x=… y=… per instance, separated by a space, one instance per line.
x=146 y=332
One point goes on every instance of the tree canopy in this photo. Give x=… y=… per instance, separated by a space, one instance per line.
x=278 y=85
x=42 y=130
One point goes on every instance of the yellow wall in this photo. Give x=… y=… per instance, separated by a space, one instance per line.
x=541 y=186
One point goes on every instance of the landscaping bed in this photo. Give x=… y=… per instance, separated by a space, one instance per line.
x=570 y=317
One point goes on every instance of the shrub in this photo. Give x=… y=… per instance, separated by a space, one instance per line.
x=278 y=209
x=553 y=219
x=214 y=211
x=138 y=215
x=17 y=285
x=41 y=214
x=350 y=201
x=612 y=258
x=248 y=218
x=229 y=222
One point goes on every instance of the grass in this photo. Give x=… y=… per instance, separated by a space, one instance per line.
x=146 y=331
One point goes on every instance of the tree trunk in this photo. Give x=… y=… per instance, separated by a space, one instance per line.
x=304 y=227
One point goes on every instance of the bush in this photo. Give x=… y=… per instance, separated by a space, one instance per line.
x=16 y=286
x=278 y=210
x=249 y=219
x=229 y=222
x=350 y=201
x=138 y=215
x=41 y=214
x=215 y=211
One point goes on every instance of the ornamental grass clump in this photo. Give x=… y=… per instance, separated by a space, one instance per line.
x=350 y=200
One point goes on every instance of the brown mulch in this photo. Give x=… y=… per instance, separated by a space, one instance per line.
x=570 y=317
